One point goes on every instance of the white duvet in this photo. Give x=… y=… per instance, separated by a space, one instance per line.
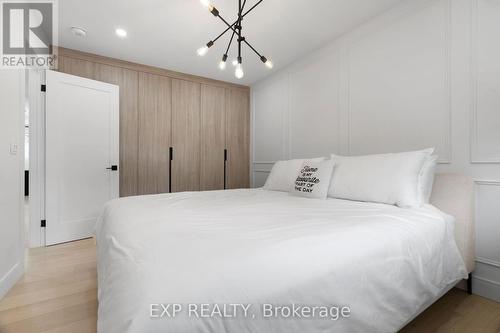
x=257 y=247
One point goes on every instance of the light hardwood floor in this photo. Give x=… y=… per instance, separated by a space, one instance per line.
x=59 y=294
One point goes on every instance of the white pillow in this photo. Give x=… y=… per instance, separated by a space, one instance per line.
x=283 y=174
x=386 y=178
x=426 y=178
x=313 y=179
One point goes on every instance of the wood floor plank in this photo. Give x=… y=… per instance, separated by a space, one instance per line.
x=87 y=325
x=10 y=302
x=54 y=319
x=58 y=294
x=458 y=312
x=84 y=272
x=36 y=309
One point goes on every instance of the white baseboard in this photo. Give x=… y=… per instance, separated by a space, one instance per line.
x=486 y=288
x=486 y=279
x=10 y=279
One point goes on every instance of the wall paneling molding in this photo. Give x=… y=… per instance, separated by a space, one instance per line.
x=487 y=273
x=479 y=95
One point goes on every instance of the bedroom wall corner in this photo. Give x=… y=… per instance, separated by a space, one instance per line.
x=11 y=177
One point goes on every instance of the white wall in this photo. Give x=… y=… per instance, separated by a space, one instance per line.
x=11 y=178
x=426 y=73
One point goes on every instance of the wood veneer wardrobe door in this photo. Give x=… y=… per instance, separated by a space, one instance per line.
x=155 y=113
x=213 y=137
x=127 y=80
x=186 y=124
x=238 y=138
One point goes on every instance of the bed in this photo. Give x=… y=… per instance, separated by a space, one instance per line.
x=271 y=250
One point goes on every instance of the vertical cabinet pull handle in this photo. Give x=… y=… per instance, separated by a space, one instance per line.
x=170 y=158
x=225 y=167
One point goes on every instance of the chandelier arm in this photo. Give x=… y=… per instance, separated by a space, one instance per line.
x=242 y=7
x=222 y=34
x=229 y=26
x=232 y=25
x=253 y=49
x=248 y=11
x=230 y=42
x=244 y=40
x=239 y=31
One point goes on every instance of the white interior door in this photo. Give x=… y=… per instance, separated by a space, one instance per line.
x=82 y=145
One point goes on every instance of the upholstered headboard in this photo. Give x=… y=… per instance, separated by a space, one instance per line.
x=454 y=195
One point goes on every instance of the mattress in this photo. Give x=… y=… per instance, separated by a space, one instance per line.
x=251 y=257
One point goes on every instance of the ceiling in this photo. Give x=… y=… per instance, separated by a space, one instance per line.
x=167 y=33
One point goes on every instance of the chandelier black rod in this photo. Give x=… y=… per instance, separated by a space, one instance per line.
x=222 y=34
x=230 y=42
x=242 y=39
x=228 y=28
x=253 y=49
x=228 y=25
x=248 y=11
x=242 y=7
x=239 y=31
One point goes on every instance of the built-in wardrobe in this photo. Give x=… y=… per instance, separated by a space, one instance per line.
x=178 y=132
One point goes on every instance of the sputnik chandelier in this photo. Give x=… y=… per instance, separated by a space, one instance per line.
x=236 y=30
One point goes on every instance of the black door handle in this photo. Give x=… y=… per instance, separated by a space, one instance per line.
x=225 y=168
x=170 y=158
x=113 y=168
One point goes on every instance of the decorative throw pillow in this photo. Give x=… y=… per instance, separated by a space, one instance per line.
x=283 y=174
x=313 y=179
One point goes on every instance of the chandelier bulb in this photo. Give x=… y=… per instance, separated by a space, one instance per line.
x=205 y=3
x=239 y=71
x=202 y=51
x=267 y=62
x=222 y=63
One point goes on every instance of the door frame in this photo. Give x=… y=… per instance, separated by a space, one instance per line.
x=36 y=100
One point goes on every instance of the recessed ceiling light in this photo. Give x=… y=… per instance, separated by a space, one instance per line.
x=77 y=31
x=122 y=33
